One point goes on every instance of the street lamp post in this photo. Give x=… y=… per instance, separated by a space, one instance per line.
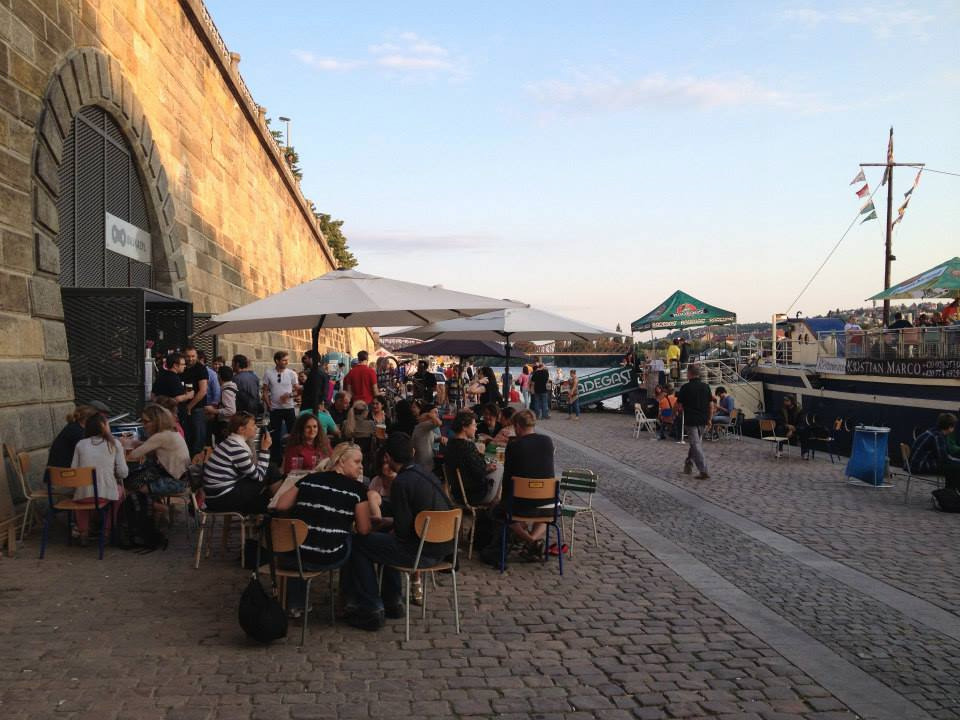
x=287 y=121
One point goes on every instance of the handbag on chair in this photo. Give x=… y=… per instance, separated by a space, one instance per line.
x=261 y=615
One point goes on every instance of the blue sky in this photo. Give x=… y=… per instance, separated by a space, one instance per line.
x=590 y=158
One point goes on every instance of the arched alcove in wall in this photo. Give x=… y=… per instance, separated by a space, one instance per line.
x=91 y=130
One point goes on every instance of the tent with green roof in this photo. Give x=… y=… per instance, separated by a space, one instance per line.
x=681 y=310
x=942 y=281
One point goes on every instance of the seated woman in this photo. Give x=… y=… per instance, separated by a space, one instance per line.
x=667 y=403
x=329 y=502
x=381 y=484
x=378 y=410
x=170 y=405
x=423 y=436
x=233 y=481
x=507 y=431
x=61 y=451
x=461 y=454
x=306 y=445
x=102 y=451
x=164 y=456
x=407 y=413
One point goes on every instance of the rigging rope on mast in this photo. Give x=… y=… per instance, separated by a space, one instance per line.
x=829 y=255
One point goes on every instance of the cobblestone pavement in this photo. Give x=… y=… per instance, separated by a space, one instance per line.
x=867 y=529
x=621 y=635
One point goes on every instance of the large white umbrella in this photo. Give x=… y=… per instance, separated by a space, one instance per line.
x=510 y=324
x=347 y=298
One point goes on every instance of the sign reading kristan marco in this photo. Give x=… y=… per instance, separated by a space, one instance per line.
x=605 y=384
x=127 y=239
x=915 y=368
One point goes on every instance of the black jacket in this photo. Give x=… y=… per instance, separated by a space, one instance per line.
x=413 y=491
x=463 y=455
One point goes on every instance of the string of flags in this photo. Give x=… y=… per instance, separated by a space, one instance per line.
x=868 y=209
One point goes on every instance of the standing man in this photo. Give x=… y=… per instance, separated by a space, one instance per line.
x=248 y=386
x=169 y=384
x=673 y=359
x=213 y=381
x=317 y=383
x=424 y=383
x=696 y=403
x=278 y=388
x=361 y=381
x=541 y=393
x=195 y=378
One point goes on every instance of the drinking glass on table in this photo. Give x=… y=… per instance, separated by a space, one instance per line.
x=296 y=464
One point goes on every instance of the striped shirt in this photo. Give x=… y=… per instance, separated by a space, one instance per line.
x=326 y=502
x=231 y=462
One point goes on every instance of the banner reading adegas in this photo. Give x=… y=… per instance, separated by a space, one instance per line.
x=127 y=239
x=606 y=384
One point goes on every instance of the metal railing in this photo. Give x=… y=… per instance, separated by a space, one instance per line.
x=907 y=343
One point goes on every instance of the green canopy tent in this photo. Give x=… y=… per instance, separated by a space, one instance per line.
x=942 y=281
x=681 y=310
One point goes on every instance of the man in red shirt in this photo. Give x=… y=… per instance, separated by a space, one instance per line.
x=361 y=381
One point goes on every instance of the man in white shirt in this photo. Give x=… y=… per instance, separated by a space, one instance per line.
x=279 y=386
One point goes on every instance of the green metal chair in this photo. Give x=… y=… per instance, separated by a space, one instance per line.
x=583 y=484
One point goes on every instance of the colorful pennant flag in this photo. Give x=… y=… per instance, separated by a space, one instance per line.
x=868 y=207
x=886 y=172
x=859 y=178
x=864 y=191
x=871 y=216
x=908 y=195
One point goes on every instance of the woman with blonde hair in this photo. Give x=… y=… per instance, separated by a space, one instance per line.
x=163 y=457
x=329 y=502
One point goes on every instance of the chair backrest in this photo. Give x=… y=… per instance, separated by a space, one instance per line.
x=287 y=534
x=768 y=425
x=21 y=466
x=578 y=480
x=463 y=490
x=735 y=416
x=72 y=477
x=905 y=454
x=443 y=525
x=535 y=488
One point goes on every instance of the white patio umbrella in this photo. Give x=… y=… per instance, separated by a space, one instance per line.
x=347 y=298
x=510 y=324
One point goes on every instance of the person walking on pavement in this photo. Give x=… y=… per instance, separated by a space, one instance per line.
x=696 y=403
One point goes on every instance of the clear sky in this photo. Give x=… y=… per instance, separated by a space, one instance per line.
x=590 y=158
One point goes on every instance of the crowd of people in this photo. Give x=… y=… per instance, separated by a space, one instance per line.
x=370 y=452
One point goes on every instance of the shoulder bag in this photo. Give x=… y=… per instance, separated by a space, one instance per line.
x=261 y=615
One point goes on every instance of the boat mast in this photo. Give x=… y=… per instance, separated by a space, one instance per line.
x=888 y=256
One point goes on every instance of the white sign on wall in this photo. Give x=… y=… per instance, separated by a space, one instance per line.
x=127 y=239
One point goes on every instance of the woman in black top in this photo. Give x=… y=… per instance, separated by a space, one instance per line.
x=407 y=413
x=61 y=451
x=461 y=454
x=329 y=502
x=491 y=393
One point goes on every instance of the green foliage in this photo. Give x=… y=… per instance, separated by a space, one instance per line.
x=337 y=241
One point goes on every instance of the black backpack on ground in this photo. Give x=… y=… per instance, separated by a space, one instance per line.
x=947 y=499
x=137 y=529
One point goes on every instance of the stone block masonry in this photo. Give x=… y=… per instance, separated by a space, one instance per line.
x=229 y=222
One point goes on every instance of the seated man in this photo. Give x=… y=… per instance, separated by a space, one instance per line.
x=488 y=427
x=529 y=455
x=793 y=424
x=411 y=492
x=725 y=405
x=929 y=453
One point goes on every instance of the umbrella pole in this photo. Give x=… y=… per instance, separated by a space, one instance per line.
x=315 y=339
x=506 y=373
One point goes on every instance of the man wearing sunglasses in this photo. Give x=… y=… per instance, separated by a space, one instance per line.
x=279 y=386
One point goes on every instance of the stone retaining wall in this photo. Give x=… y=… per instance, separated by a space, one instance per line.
x=232 y=222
